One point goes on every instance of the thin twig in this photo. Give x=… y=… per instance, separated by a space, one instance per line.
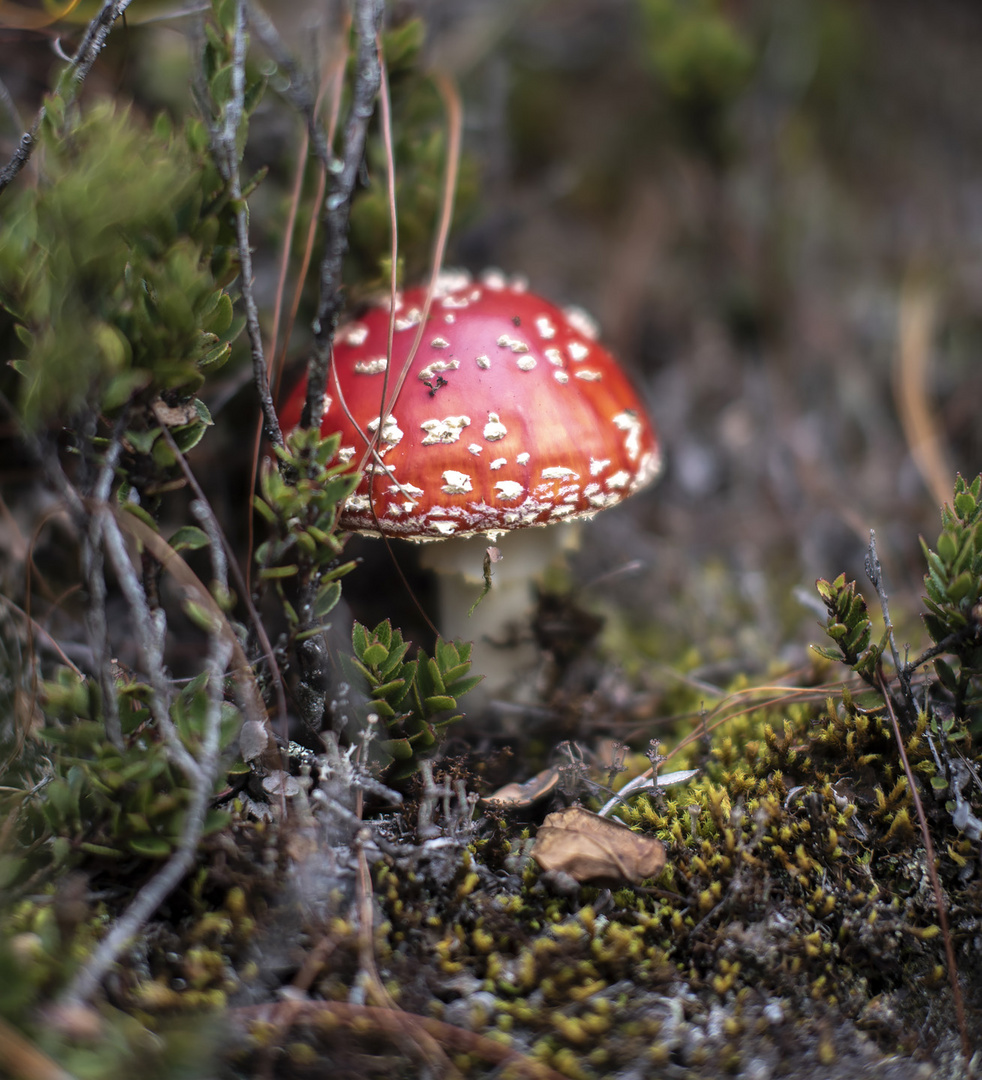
x=209 y=523
x=90 y=527
x=337 y=207
x=451 y=102
x=279 y=352
x=93 y=569
x=310 y=242
x=201 y=771
x=229 y=164
x=24 y=1059
x=70 y=82
x=148 y=631
x=373 y=1019
x=939 y=899
x=94 y=39
x=875 y=573
x=194 y=588
x=159 y=887
x=298 y=89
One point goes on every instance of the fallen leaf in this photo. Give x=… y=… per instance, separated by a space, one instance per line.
x=516 y=796
x=592 y=848
x=253 y=740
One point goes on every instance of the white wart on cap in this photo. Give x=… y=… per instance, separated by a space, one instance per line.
x=512 y=415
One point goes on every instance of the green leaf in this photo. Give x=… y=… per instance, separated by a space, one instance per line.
x=142 y=441
x=399 y=749
x=962 y=586
x=151 y=847
x=219 y=317
x=965 y=506
x=215 y=820
x=439 y=703
x=464 y=686
x=273 y=573
x=383 y=634
x=138 y=512
x=327 y=598
x=189 y=537
x=389 y=688
x=947 y=547
x=201 y=616
x=436 y=677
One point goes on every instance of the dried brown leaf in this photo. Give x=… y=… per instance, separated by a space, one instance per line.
x=592 y=848
x=515 y=796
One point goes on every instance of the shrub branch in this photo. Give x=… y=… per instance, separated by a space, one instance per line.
x=343 y=175
x=71 y=81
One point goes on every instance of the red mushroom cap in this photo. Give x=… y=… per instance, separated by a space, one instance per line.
x=511 y=414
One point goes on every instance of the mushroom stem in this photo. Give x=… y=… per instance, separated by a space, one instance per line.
x=504 y=651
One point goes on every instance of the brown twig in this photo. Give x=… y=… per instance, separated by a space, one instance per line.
x=24 y=1060
x=939 y=899
x=393 y=1023
x=924 y=434
x=216 y=534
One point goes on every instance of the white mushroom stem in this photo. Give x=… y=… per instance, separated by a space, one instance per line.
x=500 y=626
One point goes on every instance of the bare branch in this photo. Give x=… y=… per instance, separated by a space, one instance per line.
x=152 y=895
x=95 y=39
x=22 y=154
x=93 y=568
x=229 y=163
x=875 y=573
x=337 y=206
x=149 y=634
x=203 y=512
x=70 y=83
x=932 y=872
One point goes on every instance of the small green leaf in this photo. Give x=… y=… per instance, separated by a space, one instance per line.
x=399 y=749
x=439 y=702
x=947 y=547
x=271 y=573
x=138 y=512
x=201 y=616
x=189 y=537
x=375 y=654
x=464 y=686
x=152 y=847
x=965 y=506
x=142 y=441
x=386 y=689
x=962 y=586
x=327 y=599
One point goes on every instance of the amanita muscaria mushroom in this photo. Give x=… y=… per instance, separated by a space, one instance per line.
x=510 y=415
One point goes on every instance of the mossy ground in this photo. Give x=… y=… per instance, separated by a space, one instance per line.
x=793 y=932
